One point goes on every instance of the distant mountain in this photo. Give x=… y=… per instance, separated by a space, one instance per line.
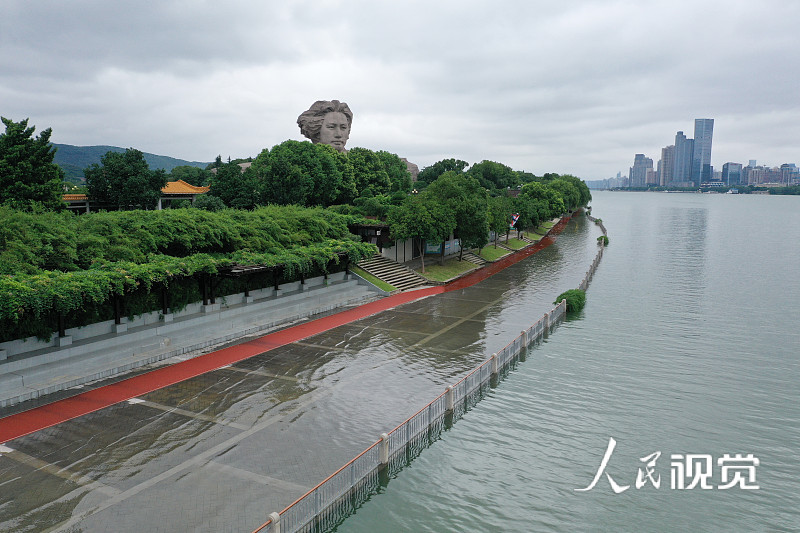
x=74 y=159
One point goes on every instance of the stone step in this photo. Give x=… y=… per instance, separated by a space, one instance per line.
x=474 y=258
x=392 y=272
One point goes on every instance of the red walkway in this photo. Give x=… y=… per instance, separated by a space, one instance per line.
x=27 y=422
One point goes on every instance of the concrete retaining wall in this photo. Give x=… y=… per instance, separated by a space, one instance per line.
x=33 y=368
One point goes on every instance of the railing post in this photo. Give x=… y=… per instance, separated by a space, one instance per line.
x=494 y=364
x=546 y=323
x=449 y=400
x=384 y=452
x=275 y=523
x=524 y=337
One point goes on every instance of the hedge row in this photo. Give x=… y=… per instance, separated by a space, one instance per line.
x=127 y=252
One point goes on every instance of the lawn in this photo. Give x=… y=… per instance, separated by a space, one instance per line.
x=490 y=253
x=372 y=279
x=452 y=268
x=547 y=225
x=516 y=244
x=532 y=235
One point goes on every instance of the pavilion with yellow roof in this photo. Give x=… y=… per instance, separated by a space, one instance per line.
x=173 y=190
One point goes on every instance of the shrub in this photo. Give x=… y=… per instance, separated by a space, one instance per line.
x=576 y=299
x=209 y=203
x=602 y=239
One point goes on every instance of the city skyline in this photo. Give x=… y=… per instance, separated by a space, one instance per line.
x=687 y=163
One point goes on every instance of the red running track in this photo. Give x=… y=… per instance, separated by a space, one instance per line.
x=27 y=422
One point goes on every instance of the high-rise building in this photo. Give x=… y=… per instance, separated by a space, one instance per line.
x=638 y=173
x=666 y=166
x=701 y=155
x=682 y=169
x=732 y=173
x=789 y=173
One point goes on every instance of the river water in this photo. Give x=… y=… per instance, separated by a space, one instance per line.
x=688 y=345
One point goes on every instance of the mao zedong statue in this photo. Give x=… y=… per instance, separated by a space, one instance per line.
x=327 y=122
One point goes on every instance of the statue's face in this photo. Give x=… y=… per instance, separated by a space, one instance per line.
x=335 y=130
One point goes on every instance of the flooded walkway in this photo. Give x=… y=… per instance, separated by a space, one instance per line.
x=217 y=443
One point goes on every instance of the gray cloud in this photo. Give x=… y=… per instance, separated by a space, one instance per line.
x=574 y=86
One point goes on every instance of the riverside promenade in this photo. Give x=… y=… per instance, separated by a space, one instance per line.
x=217 y=442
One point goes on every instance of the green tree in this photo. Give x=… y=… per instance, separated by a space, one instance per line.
x=301 y=173
x=123 y=180
x=494 y=176
x=537 y=203
x=568 y=191
x=583 y=189
x=235 y=188
x=28 y=176
x=369 y=172
x=466 y=199
x=397 y=170
x=429 y=174
x=499 y=214
x=209 y=203
x=192 y=175
x=421 y=218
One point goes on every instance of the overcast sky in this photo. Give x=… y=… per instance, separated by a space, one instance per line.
x=574 y=86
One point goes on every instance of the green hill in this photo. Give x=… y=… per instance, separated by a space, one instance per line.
x=74 y=159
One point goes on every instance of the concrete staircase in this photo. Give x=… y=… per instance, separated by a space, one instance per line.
x=474 y=258
x=392 y=272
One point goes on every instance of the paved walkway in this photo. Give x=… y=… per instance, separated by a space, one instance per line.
x=217 y=442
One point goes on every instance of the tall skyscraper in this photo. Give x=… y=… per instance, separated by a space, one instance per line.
x=638 y=174
x=682 y=170
x=701 y=156
x=666 y=167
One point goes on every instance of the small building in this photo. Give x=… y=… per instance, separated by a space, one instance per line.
x=76 y=202
x=179 y=190
x=173 y=190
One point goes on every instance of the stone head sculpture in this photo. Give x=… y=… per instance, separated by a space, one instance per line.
x=327 y=122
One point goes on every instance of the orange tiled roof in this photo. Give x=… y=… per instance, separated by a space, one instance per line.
x=74 y=197
x=181 y=187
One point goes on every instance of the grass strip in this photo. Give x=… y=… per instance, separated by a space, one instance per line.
x=516 y=244
x=532 y=235
x=490 y=253
x=452 y=268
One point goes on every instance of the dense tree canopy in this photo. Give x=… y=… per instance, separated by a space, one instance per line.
x=123 y=180
x=429 y=174
x=570 y=193
x=396 y=169
x=237 y=189
x=537 y=203
x=190 y=174
x=302 y=173
x=466 y=200
x=370 y=174
x=492 y=175
x=28 y=176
